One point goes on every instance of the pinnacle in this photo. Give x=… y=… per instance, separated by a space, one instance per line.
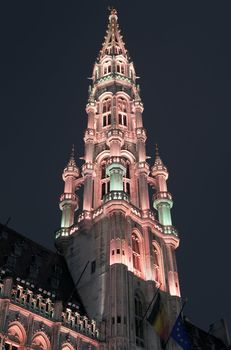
x=157 y=151
x=113 y=41
x=112 y=10
x=158 y=163
x=71 y=162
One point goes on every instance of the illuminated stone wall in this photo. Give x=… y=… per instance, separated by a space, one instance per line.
x=122 y=228
x=33 y=321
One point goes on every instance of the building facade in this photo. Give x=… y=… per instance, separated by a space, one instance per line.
x=116 y=244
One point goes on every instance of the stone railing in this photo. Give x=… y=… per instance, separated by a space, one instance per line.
x=116 y=195
x=68 y=196
x=66 y=231
x=43 y=304
x=115 y=133
x=114 y=159
x=162 y=195
x=72 y=319
x=170 y=230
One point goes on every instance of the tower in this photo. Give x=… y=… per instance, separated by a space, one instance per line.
x=120 y=237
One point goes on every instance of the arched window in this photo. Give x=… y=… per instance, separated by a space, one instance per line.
x=67 y=347
x=106 y=112
x=139 y=321
x=40 y=342
x=136 y=254
x=120 y=67
x=107 y=68
x=157 y=265
x=122 y=111
x=127 y=180
x=105 y=180
x=16 y=337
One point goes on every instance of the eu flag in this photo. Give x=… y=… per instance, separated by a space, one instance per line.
x=180 y=335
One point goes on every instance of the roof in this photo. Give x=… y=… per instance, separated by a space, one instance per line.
x=29 y=262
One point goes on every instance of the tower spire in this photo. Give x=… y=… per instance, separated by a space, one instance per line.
x=116 y=229
x=113 y=41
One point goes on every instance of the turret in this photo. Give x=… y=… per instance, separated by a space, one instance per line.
x=162 y=199
x=69 y=200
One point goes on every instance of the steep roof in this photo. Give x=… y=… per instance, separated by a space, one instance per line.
x=46 y=270
x=113 y=41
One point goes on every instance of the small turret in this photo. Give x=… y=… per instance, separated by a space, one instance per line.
x=69 y=200
x=162 y=199
x=159 y=168
x=71 y=168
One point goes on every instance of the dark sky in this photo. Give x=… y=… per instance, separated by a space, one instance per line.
x=182 y=53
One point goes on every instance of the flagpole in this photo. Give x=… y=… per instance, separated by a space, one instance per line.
x=182 y=308
x=151 y=303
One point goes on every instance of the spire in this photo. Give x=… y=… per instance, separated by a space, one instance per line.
x=71 y=165
x=158 y=163
x=71 y=162
x=157 y=151
x=113 y=41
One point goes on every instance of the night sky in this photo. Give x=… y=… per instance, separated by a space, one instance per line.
x=182 y=55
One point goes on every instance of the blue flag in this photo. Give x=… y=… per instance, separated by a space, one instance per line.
x=180 y=335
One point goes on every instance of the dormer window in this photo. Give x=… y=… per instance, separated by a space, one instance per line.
x=120 y=68
x=107 y=68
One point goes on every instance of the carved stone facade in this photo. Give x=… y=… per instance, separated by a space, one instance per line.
x=40 y=309
x=125 y=236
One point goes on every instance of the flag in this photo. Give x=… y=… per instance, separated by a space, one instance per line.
x=179 y=334
x=158 y=319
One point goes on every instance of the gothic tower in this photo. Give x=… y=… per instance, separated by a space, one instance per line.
x=122 y=238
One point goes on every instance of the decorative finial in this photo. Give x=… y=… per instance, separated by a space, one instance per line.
x=112 y=10
x=157 y=151
x=71 y=162
x=73 y=151
x=158 y=164
x=71 y=168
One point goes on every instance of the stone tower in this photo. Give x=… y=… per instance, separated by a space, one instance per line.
x=122 y=235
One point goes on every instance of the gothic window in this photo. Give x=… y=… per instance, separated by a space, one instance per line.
x=40 y=342
x=122 y=111
x=157 y=266
x=139 y=321
x=105 y=180
x=120 y=68
x=107 y=68
x=136 y=253
x=127 y=180
x=16 y=337
x=106 y=112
